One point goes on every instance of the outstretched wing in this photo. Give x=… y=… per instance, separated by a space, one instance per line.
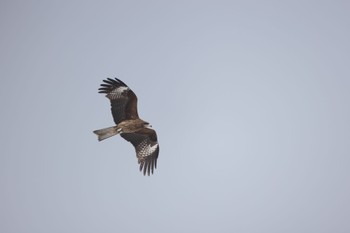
x=146 y=146
x=123 y=99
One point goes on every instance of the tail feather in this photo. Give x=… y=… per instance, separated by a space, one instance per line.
x=106 y=132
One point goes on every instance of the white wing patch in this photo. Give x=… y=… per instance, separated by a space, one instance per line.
x=146 y=149
x=117 y=93
x=153 y=148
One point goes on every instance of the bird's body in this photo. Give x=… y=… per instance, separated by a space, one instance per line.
x=132 y=126
x=128 y=124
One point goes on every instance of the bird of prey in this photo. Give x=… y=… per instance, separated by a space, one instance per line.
x=128 y=124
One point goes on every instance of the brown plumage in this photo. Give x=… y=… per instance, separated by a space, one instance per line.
x=129 y=125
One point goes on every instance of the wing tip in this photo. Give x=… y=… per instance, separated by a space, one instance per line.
x=148 y=167
x=110 y=84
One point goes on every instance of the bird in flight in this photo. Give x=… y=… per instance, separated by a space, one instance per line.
x=128 y=124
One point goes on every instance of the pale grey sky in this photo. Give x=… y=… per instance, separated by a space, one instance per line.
x=250 y=100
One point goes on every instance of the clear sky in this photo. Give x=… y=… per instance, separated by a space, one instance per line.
x=250 y=100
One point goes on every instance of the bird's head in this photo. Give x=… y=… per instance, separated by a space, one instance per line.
x=147 y=125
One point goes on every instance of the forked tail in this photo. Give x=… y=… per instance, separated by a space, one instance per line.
x=106 y=132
